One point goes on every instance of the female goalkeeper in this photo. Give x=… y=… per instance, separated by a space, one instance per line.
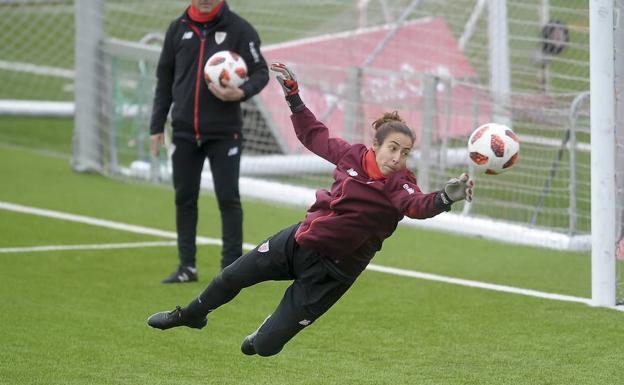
x=325 y=253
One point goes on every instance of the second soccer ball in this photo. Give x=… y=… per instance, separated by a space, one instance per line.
x=225 y=67
x=493 y=148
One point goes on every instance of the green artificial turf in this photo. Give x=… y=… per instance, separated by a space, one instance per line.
x=78 y=316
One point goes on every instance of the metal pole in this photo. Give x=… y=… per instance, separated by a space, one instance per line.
x=107 y=122
x=448 y=113
x=471 y=24
x=353 y=104
x=619 y=152
x=544 y=19
x=429 y=117
x=476 y=99
x=601 y=63
x=500 y=78
x=573 y=166
x=87 y=146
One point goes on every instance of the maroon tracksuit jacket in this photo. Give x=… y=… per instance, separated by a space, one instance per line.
x=349 y=223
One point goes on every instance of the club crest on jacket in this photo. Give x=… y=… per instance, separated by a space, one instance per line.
x=220 y=36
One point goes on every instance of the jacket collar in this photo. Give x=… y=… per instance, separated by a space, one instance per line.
x=197 y=16
x=369 y=163
x=221 y=16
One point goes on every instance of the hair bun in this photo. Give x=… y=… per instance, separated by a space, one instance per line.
x=387 y=117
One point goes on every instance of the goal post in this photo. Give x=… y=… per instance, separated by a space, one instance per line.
x=603 y=155
x=619 y=149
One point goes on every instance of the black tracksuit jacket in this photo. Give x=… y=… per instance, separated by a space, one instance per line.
x=196 y=113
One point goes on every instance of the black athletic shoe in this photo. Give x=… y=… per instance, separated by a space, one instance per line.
x=171 y=319
x=247 y=347
x=182 y=274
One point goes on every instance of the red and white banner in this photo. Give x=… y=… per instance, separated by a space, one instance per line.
x=392 y=81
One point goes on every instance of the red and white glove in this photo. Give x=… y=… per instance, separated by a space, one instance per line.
x=459 y=188
x=286 y=79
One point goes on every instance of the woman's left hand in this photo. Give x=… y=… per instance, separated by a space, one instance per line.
x=459 y=188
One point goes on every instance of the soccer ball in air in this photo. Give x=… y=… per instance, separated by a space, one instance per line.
x=224 y=67
x=493 y=148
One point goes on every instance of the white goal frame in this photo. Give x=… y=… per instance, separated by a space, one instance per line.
x=603 y=208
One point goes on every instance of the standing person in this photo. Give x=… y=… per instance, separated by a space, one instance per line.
x=206 y=119
x=340 y=234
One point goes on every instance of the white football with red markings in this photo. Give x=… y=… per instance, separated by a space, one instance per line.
x=493 y=148
x=225 y=67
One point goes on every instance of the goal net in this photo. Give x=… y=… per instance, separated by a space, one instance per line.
x=447 y=66
x=429 y=61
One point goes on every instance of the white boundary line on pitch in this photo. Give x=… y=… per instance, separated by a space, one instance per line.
x=101 y=246
x=104 y=246
x=105 y=223
x=205 y=240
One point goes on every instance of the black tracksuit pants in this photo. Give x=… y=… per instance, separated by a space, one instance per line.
x=188 y=160
x=313 y=291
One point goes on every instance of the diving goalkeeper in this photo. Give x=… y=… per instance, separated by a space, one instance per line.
x=325 y=253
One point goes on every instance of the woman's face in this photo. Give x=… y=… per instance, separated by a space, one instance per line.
x=391 y=155
x=205 y=6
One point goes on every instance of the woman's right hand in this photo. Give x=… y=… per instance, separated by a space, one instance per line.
x=286 y=78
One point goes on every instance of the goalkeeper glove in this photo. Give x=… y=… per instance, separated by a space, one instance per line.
x=286 y=78
x=288 y=81
x=459 y=188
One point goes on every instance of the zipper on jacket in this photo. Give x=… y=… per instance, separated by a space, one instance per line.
x=198 y=78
